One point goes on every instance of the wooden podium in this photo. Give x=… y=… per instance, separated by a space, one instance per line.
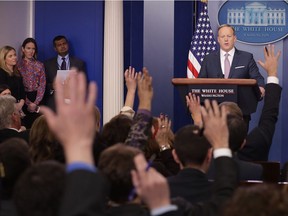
x=244 y=92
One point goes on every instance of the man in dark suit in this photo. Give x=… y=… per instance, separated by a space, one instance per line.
x=193 y=153
x=230 y=62
x=239 y=64
x=259 y=140
x=10 y=123
x=63 y=61
x=237 y=135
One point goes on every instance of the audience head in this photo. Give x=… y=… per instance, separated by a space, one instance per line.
x=39 y=190
x=29 y=48
x=43 y=145
x=61 y=45
x=116 y=130
x=232 y=108
x=236 y=125
x=263 y=199
x=14 y=159
x=10 y=112
x=237 y=132
x=4 y=90
x=191 y=147
x=8 y=60
x=226 y=37
x=116 y=162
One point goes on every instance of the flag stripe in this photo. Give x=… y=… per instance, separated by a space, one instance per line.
x=202 y=43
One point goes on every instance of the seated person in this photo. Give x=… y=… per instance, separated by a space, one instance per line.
x=39 y=190
x=14 y=160
x=11 y=114
x=193 y=153
x=116 y=163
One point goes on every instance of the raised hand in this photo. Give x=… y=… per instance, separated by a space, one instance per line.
x=150 y=185
x=215 y=124
x=74 y=123
x=193 y=103
x=145 y=89
x=271 y=60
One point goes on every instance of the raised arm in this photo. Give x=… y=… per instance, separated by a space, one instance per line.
x=193 y=103
x=259 y=140
x=74 y=125
x=138 y=135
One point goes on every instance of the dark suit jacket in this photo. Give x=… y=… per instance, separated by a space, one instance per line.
x=259 y=140
x=128 y=210
x=224 y=186
x=10 y=133
x=190 y=184
x=85 y=194
x=51 y=67
x=86 y=191
x=246 y=170
x=243 y=67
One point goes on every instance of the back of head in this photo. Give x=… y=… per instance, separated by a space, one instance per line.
x=116 y=162
x=14 y=159
x=42 y=142
x=232 y=108
x=190 y=146
x=263 y=199
x=39 y=190
x=116 y=130
x=7 y=108
x=237 y=132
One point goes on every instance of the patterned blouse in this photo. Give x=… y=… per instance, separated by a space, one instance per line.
x=34 y=79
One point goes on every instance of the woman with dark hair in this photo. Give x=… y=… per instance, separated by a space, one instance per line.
x=9 y=75
x=34 y=79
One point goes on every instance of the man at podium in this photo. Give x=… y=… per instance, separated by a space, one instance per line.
x=230 y=62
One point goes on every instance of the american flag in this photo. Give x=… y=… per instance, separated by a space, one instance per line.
x=202 y=43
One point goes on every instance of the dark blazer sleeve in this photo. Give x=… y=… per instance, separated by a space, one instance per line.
x=51 y=68
x=85 y=194
x=211 y=66
x=225 y=184
x=259 y=140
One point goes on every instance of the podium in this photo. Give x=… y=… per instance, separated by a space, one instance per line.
x=244 y=92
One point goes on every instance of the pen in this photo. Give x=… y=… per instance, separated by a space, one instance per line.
x=133 y=191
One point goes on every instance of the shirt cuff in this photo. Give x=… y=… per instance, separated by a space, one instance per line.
x=163 y=209
x=222 y=152
x=272 y=79
x=128 y=111
x=80 y=166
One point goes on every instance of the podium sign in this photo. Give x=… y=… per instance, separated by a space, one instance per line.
x=244 y=92
x=215 y=92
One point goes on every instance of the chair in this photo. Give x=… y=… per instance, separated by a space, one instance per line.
x=271 y=171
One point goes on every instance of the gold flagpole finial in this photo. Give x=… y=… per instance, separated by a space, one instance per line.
x=204 y=1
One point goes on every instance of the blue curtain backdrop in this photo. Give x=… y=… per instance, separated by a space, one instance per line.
x=82 y=24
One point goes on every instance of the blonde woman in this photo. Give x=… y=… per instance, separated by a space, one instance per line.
x=9 y=74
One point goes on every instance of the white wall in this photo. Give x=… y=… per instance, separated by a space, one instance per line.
x=16 y=22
